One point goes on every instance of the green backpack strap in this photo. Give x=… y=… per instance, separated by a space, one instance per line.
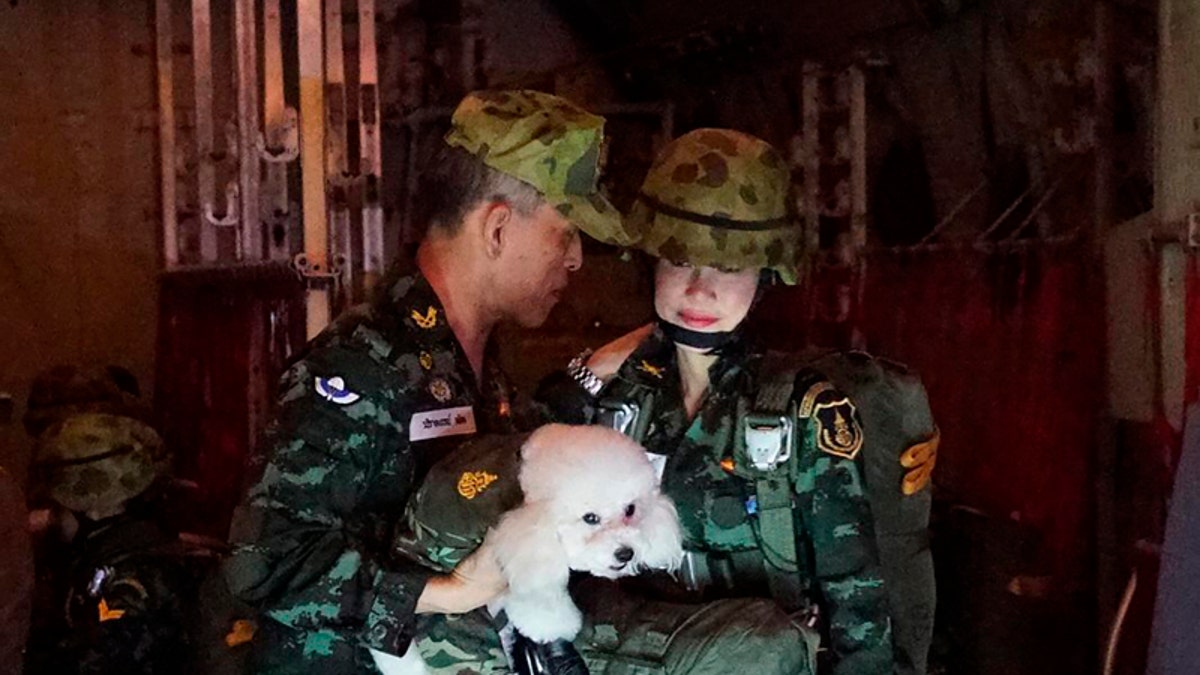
x=779 y=526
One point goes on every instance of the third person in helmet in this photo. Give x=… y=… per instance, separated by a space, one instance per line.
x=763 y=472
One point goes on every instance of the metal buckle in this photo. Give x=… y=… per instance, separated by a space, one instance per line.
x=694 y=571
x=768 y=440
x=619 y=415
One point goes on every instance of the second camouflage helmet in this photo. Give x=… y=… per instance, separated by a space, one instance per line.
x=718 y=198
x=94 y=462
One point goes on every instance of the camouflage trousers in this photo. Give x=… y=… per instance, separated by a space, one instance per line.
x=461 y=644
x=627 y=635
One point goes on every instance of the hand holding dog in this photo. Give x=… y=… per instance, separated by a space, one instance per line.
x=475 y=582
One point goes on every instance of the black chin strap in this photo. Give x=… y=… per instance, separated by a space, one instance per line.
x=709 y=342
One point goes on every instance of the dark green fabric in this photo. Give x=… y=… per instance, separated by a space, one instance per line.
x=462 y=496
x=627 y=634
x=896 y=415
x=136 y=621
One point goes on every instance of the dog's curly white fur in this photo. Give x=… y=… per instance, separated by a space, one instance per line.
x=591 y=504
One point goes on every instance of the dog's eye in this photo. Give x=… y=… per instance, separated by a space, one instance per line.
x=591 y=519
x=629 y=511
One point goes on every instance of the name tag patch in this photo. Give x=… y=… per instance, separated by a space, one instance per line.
x=440 y=423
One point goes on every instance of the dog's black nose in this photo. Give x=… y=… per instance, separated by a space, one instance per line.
x=624 y=554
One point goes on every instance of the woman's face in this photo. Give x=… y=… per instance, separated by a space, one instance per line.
x=703 y=299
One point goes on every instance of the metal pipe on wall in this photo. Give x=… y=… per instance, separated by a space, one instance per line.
x=371 y=162
x=312 y=166
x=166 y=131
x=203 y=92
x=249 y=176
x=337 y=165
x=279 y=137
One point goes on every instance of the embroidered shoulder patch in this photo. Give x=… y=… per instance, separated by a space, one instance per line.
x=471 y=483
x=839 y=432
x=334 y=389
x=918 y=461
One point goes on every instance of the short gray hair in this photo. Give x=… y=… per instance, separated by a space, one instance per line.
x=457 y=181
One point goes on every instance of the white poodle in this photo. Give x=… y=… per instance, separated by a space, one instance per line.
x=591 y=504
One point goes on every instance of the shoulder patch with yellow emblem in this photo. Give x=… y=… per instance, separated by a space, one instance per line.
x=471 y=483
x=918 y=462
x=835 y=420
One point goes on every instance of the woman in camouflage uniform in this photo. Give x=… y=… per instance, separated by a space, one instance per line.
x=766 y=481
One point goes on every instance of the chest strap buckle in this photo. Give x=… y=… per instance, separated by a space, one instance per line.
x=620 y=415
x=768 y=440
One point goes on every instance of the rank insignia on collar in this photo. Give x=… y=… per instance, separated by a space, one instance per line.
x=441 y=390
x=650 y=368
x=471 y=483
x=427 y=320
x=334 y=390
x=839 y=432
x=426 y=360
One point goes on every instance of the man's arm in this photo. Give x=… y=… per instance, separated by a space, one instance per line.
x=837 y=518
x=303 y=550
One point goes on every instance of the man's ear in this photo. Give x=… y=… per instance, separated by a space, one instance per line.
x=497 y=216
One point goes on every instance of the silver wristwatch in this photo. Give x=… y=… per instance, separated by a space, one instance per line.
x=578 y=370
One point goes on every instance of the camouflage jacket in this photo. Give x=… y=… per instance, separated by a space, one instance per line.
x=378 y=397
x=717 y=506
x=125 y=586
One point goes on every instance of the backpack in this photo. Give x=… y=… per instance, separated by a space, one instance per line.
x=897 y=459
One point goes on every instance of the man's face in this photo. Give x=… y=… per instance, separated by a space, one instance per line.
x=542 y=249
x=703 y=299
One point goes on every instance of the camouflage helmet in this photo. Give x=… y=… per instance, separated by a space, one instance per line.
x=718 y=198
x=65 y=390
x=95 y=462
x=547 y=142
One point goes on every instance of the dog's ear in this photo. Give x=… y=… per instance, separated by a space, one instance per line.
x=526 y=545
x=663 y=547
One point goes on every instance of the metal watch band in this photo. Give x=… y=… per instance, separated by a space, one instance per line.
x=583 y=375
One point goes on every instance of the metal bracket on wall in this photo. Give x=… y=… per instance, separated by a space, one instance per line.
x=289 y=133
x=232 y=206
x=313 y=275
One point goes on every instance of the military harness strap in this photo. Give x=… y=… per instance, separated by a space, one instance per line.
x=779 y=526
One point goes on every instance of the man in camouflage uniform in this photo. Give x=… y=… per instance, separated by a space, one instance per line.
x=773 y=503
x=114 y=598
x=391 y=387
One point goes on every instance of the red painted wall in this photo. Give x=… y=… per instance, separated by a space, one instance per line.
x=224 y=339
x=1010 y=346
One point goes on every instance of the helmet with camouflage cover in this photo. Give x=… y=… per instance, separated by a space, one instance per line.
x=95 y=462
x=718 y=198
x=65 y=390
x=547 y=142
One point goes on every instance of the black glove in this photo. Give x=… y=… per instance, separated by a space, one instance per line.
x=546 y=658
